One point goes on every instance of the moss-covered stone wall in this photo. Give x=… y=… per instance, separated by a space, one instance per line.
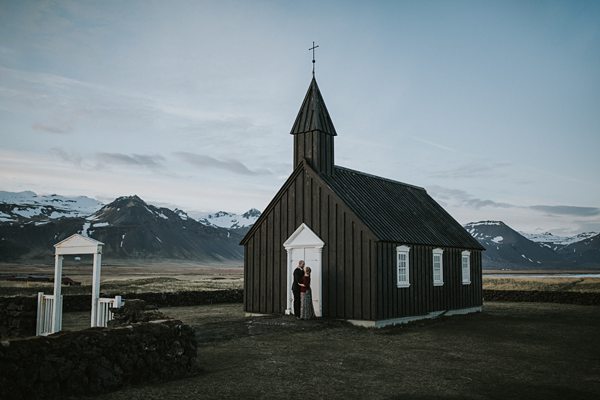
x=95 y=360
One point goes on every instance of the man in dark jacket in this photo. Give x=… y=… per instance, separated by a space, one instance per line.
x=298 y=277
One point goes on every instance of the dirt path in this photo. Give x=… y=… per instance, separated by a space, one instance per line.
x=512 y=350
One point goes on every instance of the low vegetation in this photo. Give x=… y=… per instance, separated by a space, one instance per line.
x=543 y=284
x=129 y=278
x=116 y=287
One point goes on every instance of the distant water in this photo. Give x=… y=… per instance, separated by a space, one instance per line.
x=561 y=275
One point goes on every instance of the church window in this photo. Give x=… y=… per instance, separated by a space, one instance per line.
x=466 y=267
x=438 y=267
x=402 y=266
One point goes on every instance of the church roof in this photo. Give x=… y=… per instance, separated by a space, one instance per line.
x=313 y=114
x=398 y=212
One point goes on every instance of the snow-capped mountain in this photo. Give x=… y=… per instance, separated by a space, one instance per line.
x=225 y=219
x=26 y=207
x=31 y=224
x=506 y=247
x=29 y=207
x=129 y=228
x=556 y=242
x=583 y=252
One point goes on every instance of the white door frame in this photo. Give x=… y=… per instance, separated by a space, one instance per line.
x=304 y=238
x=73 y=245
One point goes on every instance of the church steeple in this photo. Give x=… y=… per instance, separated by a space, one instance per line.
x=313 y=132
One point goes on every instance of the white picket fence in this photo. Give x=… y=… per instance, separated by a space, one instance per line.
x=45 y=310
x=104 y=305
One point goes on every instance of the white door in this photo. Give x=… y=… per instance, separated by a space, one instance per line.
x=312 y=259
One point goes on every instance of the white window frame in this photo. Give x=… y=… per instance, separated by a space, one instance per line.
x=440 y=253
x=403 y=251
x=465 y=266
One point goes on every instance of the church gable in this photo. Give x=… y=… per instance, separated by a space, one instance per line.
x=294 y=187
x=348 y=249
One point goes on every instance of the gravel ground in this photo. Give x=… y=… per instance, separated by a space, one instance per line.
x=510 y=351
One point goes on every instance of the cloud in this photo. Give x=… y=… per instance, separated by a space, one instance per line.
x=102 y=160
x=91 y=107
x=457 y=197
x=71 y=158
x=559 y=219
x=461 y=198
x=202 y=161
x=472 y=170
x=433 y=144
x=51 y=128
x=137 y=160
x=479 y=203
x=568 y=210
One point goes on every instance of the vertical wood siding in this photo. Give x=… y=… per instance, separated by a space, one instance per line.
x=348 y=269
x=422 y=296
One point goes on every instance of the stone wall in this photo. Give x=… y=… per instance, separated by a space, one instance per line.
x=173 y=299
x=190 y=298
x=82 y=302
x=18 y=313
x=18 y=316
x=95 y=360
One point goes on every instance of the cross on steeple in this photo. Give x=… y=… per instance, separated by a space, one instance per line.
x=313 y=60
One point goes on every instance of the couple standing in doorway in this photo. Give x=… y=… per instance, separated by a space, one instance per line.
x=303 y=307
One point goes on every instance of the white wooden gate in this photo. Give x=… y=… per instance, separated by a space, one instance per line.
x=45 y=311
x=104 y=305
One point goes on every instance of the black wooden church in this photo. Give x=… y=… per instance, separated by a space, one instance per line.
x=381 y=251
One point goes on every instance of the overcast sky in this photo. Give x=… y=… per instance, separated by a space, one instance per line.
x=493 y=107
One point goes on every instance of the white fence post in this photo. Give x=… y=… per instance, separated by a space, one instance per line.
x=58 y=303
x=118 y=302
x=39 y=325
x=57 y=309
x=96 y=271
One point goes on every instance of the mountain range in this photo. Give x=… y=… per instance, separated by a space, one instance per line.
x=226 y=219
x=31 y=224
x=129 y=227
x=507 y=248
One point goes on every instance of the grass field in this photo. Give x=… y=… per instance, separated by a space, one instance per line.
x=544 y=284
x=127 y=277
x=509 y=351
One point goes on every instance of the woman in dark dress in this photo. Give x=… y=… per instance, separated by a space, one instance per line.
x=306 y=311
